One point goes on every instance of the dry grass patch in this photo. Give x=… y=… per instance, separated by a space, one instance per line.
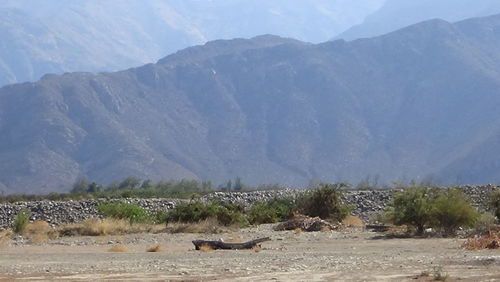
x=154 y=249
x=39 y=232
x=208 y=226
x=206 y=248
x=97 y=227
x=481 y=242
x=353 y=221
x=298 y=230
x=5 y=238
x=257 y=248
x=118 y=248
x=325 y=229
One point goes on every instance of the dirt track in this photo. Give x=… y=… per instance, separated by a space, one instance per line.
x=322 y=256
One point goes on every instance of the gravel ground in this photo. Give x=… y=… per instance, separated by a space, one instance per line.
x=354 y=255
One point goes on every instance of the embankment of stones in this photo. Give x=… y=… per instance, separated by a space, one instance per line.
x=366 y=204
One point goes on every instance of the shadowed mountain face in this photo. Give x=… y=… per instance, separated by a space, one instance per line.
x=54 y=36
x=422 y=101
x=396 y=14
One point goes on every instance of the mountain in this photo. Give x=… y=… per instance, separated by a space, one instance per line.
x=53 y=36
x=419 y=102
x=396 y=14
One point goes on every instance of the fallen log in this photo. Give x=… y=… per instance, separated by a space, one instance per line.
x=216 y=245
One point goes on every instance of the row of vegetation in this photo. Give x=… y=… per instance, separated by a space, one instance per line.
x=444 y=210
x=324 y=202
x=132 y=187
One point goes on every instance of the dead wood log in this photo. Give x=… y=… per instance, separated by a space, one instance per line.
x=216 y=245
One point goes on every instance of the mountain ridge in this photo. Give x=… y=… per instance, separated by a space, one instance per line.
x=65 y=36
x=396 y=14
x=416 y=103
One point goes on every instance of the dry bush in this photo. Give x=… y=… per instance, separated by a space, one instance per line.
x=485 y=241
x=206 y=248
x=118 y=248
x=39 y=232
x=154 y=249
x=297 y=230
x=208 y=226
x=96 y=227
x=438 y=274
x=353 y=221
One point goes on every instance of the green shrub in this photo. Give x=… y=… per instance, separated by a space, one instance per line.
x=131 y=212
x=191 y=212
x=230 y=216
x=21 y=220
x=494 y=203
x=274 y=210
x=485 y=223
x=451 y=210
x=424 y=207
x=226 y=214
x=412 y=207
x=325 y=202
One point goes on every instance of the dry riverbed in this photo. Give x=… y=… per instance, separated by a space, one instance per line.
x=354 y=255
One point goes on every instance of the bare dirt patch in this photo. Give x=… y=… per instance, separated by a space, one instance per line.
x=352 y=255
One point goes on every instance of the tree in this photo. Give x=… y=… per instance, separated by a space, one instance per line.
x=424 y=207
x=129 y=183
x=412 y=207
x=451 y=210
x=206 y=186
x=325 y=202
x=238 y=185
x=80 y=186
x=94 y=188
x=146 y=184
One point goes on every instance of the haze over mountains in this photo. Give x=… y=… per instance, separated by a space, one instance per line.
x=421 y=101
x=54 y=36
x=396 y=14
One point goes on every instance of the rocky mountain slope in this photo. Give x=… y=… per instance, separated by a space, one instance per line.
x=53 y=36
x=420 y=102
x=396 y=14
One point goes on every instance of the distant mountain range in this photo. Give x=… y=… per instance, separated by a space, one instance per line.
x=419 y=102
x=396 y=14
x=54 y=36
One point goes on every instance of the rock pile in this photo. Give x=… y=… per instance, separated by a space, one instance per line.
x=250 y=198
x=61 y=212
x=368 y=204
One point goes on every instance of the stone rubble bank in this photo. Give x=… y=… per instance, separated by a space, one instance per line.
x=366 y=204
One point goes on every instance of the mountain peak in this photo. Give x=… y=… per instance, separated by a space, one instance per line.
x=226 y=46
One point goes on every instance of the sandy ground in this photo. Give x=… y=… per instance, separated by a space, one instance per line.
x=355 y=255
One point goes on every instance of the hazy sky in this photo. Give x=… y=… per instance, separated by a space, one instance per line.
x=55 y=36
